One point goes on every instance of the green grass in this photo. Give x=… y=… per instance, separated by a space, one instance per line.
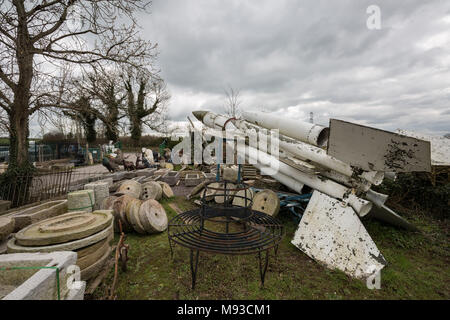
x=417 y=269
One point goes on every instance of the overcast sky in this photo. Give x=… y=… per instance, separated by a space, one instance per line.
x=296 y=57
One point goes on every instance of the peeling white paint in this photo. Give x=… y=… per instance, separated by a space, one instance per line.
x=332 y=234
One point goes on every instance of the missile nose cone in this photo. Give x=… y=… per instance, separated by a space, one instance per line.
x=199 y=114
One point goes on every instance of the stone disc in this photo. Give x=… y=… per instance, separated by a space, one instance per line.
x=14 y=247
x=93 y=269
x=230 y=192
x=151 y=190
x=130 y=187
x=210 y=192
x=119 y=207
x=85 y=251
x=132 y=211
x=64 y=228
x=153 y=216
x=266 y=201
x=166 y=189
x=239 y=196
x=98 y=250
x=6 y=227
x=108 y=203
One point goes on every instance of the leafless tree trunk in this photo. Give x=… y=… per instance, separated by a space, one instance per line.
x=148 y=107
x=232 y=103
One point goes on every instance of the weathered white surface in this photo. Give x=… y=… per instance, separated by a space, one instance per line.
x=41 y=285
x=294 y=178
x=440 y=146
x=373 y=149
x=304 y=131
x=332 y=234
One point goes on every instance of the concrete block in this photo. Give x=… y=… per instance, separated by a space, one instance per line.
x=193 y=179
x=117 y=176
x=6 y=227
x=139 y=179
x=129 y=175
x=171 y=177
x=4 y=205
x=145 y=172
x=211 y=177
x=25 y=217
x=38 y=284
x=108 y=180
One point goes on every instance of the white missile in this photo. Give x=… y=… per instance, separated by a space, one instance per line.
x=311 y=133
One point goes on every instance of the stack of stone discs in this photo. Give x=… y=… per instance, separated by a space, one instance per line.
x=87 y=233
x=145 y=217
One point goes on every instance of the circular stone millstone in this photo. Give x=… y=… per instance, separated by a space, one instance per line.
x=266 y=201
x=132 y=211
x=239 y=197
x=94 y=269
x=166 y=189
x=210 y=192
x=153 y=216
x=6 y=227
x=230 y=192
x=151 y=190
x=13 y=247
x=130 y=187
x=92 y=254
x=64 y=228
x=108 y=203
x=119 y=207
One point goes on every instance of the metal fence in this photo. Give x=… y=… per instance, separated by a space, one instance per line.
x=35 y=187
x=46 y=152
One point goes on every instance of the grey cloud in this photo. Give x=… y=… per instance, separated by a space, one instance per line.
x=302 y=56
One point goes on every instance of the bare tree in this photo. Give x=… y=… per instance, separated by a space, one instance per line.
x=107 y=92
x=37 y=36
x=148 y=107
x=232 y=103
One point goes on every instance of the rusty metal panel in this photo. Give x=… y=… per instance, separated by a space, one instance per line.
x=373 y=149
x=332 y=234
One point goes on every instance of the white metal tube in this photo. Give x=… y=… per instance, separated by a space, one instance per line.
x=331 y=188
x=319 y=156
x=304 y=131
